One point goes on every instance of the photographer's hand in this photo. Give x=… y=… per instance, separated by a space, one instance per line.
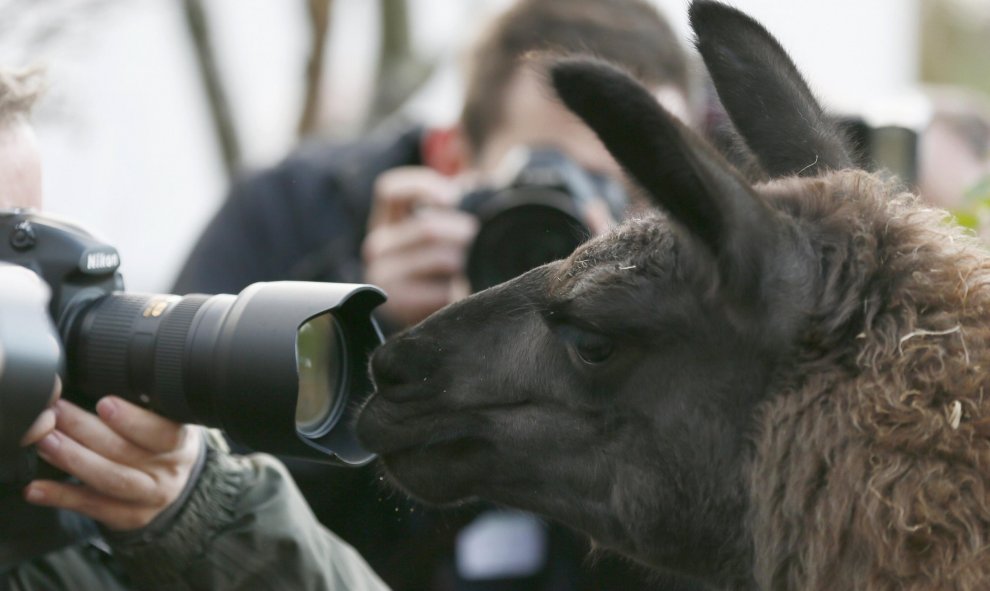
x=417 y=242
x=132 y=463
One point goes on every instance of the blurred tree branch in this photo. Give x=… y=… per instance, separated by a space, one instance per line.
x=400 y=71
x=197 y=23
x=319 y=22
x=955 y=43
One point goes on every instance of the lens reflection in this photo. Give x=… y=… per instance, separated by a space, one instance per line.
x=322 y=368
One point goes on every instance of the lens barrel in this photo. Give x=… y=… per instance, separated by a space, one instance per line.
x=535 y=210
x=281 y=367
x=522 y=229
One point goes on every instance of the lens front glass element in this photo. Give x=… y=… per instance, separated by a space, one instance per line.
x=322 y=364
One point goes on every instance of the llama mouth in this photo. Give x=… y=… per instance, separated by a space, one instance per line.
x=387 y=428
x=450 y=442
x=384 y=428
x=433 y=474
x=447 y=445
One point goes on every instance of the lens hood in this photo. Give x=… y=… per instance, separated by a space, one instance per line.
x=248 y=369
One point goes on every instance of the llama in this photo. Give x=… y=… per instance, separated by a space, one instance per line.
x=776 y=385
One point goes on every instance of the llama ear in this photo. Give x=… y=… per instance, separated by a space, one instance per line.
x=680 y=172
x=766 y=97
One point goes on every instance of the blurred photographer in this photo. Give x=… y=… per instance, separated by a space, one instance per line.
x=389 y=210
x=174 y=509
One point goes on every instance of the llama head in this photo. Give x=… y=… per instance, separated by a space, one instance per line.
x=615 y=390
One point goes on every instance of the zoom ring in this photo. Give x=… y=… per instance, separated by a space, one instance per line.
x=107 y=358
x=170 y=362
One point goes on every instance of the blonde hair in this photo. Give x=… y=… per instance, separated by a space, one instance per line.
x=20 y=89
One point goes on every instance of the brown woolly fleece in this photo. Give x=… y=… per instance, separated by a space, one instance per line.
x=872 y=463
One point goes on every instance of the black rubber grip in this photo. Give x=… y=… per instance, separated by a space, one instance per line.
x=170 y=359
x=108 y=340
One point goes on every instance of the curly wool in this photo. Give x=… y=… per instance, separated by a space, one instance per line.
x=872 y=461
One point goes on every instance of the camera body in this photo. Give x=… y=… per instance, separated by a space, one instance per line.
x=535 y=210
x=77 y=266
x=886 y=133
x=30 y=359
x=281 y=367
x=889 y=147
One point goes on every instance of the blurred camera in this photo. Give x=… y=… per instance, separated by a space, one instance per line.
x=535 y=211
x=891 y=148
x=886 y=134
x=281 y=367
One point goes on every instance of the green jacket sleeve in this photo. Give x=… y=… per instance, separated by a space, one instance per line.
x=244 y=525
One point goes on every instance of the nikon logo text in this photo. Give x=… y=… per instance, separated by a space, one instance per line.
x=97 y=261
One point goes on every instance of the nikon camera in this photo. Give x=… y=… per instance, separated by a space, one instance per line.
x=281 y=367
x=534 y=212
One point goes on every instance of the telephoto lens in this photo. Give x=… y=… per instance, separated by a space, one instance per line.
x=282 y=367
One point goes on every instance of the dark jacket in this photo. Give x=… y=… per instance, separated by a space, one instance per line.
x=303 y=220
x=242 y=525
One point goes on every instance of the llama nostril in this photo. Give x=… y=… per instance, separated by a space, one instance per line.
x=400 y=370
x=386 y=368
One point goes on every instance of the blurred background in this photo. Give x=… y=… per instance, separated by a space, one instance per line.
x=155 y=105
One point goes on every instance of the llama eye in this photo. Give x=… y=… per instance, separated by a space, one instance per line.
x=595 y=350
x=590 y=347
